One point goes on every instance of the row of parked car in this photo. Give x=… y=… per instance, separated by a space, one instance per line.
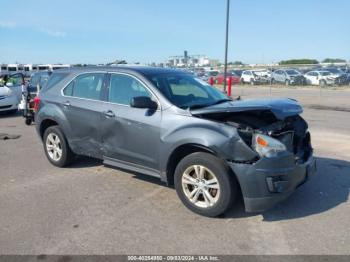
x=15 y=89
x=286 y=76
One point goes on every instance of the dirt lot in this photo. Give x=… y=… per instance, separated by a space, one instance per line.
x=91 y=209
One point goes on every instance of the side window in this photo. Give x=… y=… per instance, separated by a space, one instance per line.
x=123 y=88
x=16 y=80
x=88 y=86
x=68 y=91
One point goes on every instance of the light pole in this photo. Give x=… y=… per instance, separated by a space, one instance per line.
x=226 y=41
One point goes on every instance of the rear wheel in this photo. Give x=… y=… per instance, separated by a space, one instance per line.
x=56 y=147
x=205 y=184
x=28 y=121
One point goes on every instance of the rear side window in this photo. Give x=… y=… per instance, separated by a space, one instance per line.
x=68 y=91
x=54 y=79
x=88 y=86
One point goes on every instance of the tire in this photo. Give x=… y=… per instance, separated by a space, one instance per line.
x=323 y=83
x=28 y=121
x=242 y=81
x=273 y=81
x=66 y=156
x=214 y=169
x=252 y=83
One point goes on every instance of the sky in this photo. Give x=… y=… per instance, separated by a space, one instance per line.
x=101 y=31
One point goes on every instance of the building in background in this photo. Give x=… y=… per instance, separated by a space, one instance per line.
x=186 y=60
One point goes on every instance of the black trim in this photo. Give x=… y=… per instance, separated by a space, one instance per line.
x=130 y=166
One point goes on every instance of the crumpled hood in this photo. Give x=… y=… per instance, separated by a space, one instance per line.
x=281 y=108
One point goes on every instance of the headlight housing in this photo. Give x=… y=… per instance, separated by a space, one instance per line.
x=267 y=146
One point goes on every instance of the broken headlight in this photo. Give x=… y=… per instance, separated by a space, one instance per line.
x=267 y=146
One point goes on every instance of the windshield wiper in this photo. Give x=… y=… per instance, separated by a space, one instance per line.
x=220 y=101
x=206 y=105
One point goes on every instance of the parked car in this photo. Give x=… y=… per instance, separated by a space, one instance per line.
x=209 y=74
x=168 y=124
x=237 y=72
x=254 y=77
x=219 y=79
x=11 y=91
x=347 y=72
x=321 y=78
x=36 y=82
x=288 y=77
x=339 y=75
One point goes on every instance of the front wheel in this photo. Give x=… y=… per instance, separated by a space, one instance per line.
x=56 y=147
x=205 y=184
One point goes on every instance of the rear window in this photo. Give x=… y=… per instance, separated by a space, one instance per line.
x=54 y=79
x=35 y=80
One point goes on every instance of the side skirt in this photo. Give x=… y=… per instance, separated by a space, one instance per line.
x=130 y=166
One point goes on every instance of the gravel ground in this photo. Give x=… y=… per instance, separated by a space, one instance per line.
x=91 y=209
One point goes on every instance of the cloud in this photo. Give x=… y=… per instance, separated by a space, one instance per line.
x=53 y=33
x=7 y=24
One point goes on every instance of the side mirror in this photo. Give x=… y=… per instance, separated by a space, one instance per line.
x=9 y=84
x=143 y=102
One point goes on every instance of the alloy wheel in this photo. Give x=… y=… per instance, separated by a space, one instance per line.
x=200 y=186
x=54 y=147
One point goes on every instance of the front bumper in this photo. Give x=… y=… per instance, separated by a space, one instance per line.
x=271 y=180
x=8 y=103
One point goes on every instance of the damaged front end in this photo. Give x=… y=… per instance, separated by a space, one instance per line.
x=282 y=144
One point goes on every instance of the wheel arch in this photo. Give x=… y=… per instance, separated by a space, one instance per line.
x=179 y=153
x=45 y=124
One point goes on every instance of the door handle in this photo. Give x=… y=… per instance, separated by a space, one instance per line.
x=67 y=103
x=109 y=114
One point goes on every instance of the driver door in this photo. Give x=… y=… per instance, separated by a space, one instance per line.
x=130 y=136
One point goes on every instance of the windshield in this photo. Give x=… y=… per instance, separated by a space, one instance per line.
x=325 y=73
x=292 y=72
x=185 y=91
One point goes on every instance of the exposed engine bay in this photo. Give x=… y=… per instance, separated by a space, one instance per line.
x=291 y=131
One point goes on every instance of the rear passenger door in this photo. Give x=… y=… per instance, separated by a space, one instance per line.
x=82 y=105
